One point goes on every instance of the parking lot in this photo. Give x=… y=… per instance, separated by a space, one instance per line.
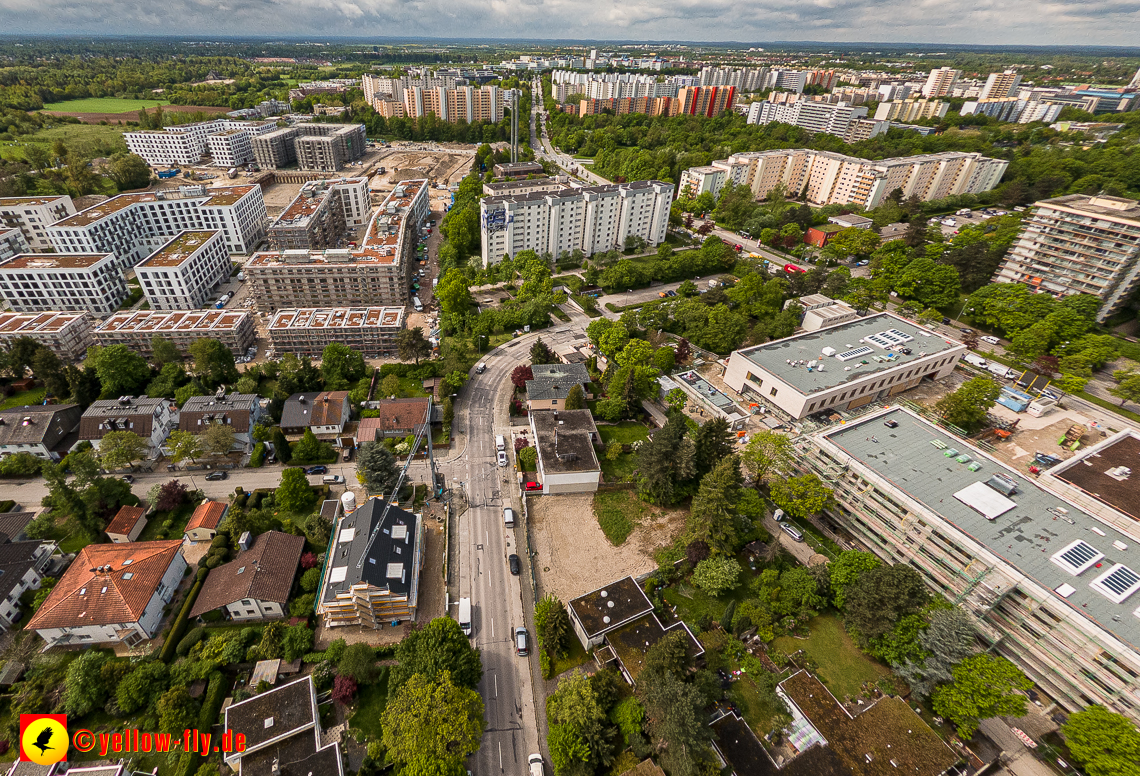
x=952 y=224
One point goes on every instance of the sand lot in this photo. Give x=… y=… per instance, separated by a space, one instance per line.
x=574 y=556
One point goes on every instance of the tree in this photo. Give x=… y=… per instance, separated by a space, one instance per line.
x=177 y=711
x=344 y=689
x=540 y=353
x=717 y=575
x=432 y=725
x=213 y=362
x=677 y=723
x=218 y=438
x=575 y=399
x=669 y=655
x=411 y=345
x=713 y=443
x=439 y=648
x=296 y=641
x=882 y=596
x=1107 y=744
x=309 y=448
x=714 y=514
x=341 y=366
x=1127 y=387
x=84 y=689
x=119 y=449
x=294 y=494
x=171 y=495
x=376 y=468
x=676 y=400
x=967 y=406
x=846 y=569
x=452 y=293
x=947 y=640
x=665 y=462
x=183 y=445
x=984 y=686
x=358 y=662
x=164 y=352
x=128 y=171
x=552 y=624
x=521 y=375
x=49 y=370
x=142 y=686
x=851 y=242
x=767 y=454
x=121 y=371
x=390 y=385
x=801 y=496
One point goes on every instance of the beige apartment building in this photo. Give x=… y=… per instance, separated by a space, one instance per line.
x=66 y=334
x=321 y=215
x=33 y=215
x=940 y=82
x=371 y=331
x=181 y=274
x=1077 y=244
x=906 y=111
x=1000 y=85
x=136 y=329
x=461 y=103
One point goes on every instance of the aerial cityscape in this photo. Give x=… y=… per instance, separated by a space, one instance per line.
x=676 y=399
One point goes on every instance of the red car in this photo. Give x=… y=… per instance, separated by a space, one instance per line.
x=790 y=268
x=534 y=486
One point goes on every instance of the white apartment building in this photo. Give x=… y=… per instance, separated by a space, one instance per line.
x=1000 y=85
x=745 y=79
x=940 y=82
x=181 y=274
x=1013 y=109
x=592 y=219
x=133 y=226
x=906 y=111
x=12 y=242
x=695 y=181
x=186 y=143
x=33 y=215
x=38 y=282
x=66 y=334
x=1077 y=244
x=136 y=330
x=832 y=118
x=231 y=148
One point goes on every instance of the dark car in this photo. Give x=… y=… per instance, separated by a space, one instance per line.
x=891 y=423
x=945 y=321
x=127 y=478
x=215 y=476
x=513 y=560
x=317 y=470
x=966 y=331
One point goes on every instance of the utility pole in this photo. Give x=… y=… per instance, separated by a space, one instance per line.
x=514 y=125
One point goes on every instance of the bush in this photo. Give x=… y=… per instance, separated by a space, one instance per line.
x=717 y=575
x=303 y=605
x=187 y=643
x=258 y=456
x=182 y=620
x=310 y=580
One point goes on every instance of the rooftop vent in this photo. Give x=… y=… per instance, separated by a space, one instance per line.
x=1077 y=558
x=1003 y=484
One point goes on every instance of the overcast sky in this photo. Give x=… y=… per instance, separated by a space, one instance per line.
x=1080 y=22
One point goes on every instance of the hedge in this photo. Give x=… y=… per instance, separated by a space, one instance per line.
x=419 y=372
x=189 y=762
x=182 y=620
x=258 y=456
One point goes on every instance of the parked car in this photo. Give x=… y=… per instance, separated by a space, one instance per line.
x=535 y=762
x=990 y=340
x=534 y=486
x=502 y=458
x=945 y=321
x=317 y=470
x=522 y=642
x=127 y=478
x=513 y=562
x=215 y=476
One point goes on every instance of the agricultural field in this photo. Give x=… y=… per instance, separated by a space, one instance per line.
x=102 y=105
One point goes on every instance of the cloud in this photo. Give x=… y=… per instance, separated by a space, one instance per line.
x=1108 y=22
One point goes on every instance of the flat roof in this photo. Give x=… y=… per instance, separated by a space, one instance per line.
x=223 y=195
x=312 y=196
x=1117 y=208
x=564 y=442
x=42 y=323
x=619 y=602
x=178 y=250
x=156 y=321
x=632 y=641
x=1089 y=472
x=29 y=201
x=867 y=358
x=54 y=260
x=310 y=318
x=914 y=457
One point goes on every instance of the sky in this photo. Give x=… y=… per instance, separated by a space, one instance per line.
x=1015 y=22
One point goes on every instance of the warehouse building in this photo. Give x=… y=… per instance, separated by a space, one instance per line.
x=370 y=331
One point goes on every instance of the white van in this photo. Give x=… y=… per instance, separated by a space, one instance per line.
x=332 y=479
x=1001 y=370
x=1041 y=406
x=500 y=442
x=792 y=531
x=508 y=517
x=977 y=361
x=465 y=616
x=990 y=339
x=416 y=303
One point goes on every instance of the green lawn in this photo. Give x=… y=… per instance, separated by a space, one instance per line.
x=627 y=432
x=620 y=470
x=370 y=703
x=34 y=396
x=179 y=517
x=842 y=666
x=103 y=105
x=617 y=514
x=575 y=657
x=758 y=712
x=100 y=139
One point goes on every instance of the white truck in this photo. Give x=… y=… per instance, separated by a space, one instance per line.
x=975 y=360
x=1001 y=370
x=465 y=616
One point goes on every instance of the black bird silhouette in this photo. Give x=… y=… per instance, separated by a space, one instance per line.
x=42 y=739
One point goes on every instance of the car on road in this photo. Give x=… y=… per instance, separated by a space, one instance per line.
x=945 y=321
x=966 y=331
x=127 y=478
x=513 y=562
x=535 y=762
x=317 y=470
x=332 y=479
x=502 y=458
x=990 y=340
x=522 y=642
x=215 y=476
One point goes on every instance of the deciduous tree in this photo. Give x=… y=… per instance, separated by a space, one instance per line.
x=967 y=406
x=1106 y=744
x=717 y=575
x=213 y=362
x=119 y=449
x=411 y=345
x=440 y=647
x=882 y=596
x=294 y=494
x=341 y=366
x=218 y=438
x=432 y=725
x=984 y=686
x=800 y=496
x=121 y=371
x=767 y=455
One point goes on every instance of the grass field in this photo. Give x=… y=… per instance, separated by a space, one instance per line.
x=842 y=666
x=370 y=703
x=96 y=135
x=103 y=105
x=626 y=432
x=618 y=513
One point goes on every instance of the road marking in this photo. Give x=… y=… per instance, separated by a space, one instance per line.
x=496 y=685
x=500 y=755
x=492 y=627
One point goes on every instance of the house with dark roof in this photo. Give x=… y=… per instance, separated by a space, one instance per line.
x=565 y=443
x=282 y=732
x=126 y=525
x=237 y=411
x=373 y=572
x=22 y=568
x=149 y=418
x=397 y=418
x=110 y=594
x=325 y=412
x=552 y=383
x=595 y=614
x=46 y=431
x=256 y=584
x=203 y=524
x=12 y=525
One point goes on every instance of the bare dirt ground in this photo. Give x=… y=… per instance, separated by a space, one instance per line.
x=574 y=557
x=406 y=164
x=278 y=195
x=133 y=115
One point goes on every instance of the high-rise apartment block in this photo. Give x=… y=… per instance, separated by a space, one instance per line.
x=376 y=274
x=133 y=226
x=444 y=98
x=181 y=274
x=940 y=82
x=231 y=148
x=36 y=282
x=371 y=331
x=12 y=242
x=591 y=219
x=321 y=215
x=1000 y=85
x=906 y=111
x=825 y=178
x=833 y=119
x=745 y=79
x=66 y=334
x=1013 y=109
x=137 y=330
x=315 y=147
x=187 y=143
x=1077 y=244
x=33 y=215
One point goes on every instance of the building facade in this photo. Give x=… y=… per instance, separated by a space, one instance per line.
x=321 y=215
x=940 y=82
x=38 y=282
x=371 y=331
x=591 y=219
x=834 y=119
x=911 y=110
x=68 y=335
x=1000 y=85
x=1077 y=244
x=33 y=215
x=182 y=274
x=187 y=143
x=136 y=330
x=239 y=412
x=146 y=417
x=318 y=146
x=12 y=243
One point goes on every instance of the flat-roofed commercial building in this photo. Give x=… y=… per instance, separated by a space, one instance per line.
x=322 y=147
x=12 y=243
x=371 y=331
x=591 y=219
x=376 y=274
x=1079 y=244
x=187 y=143
x=321 y=215
x=133 y=226
x=33 y=215
x=136 y=329
x=841 y=367
x=1050 y=586
x=36 y=282
x=68 y=335
x=181 y=274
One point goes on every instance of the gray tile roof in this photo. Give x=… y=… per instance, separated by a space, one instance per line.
x=390 y=564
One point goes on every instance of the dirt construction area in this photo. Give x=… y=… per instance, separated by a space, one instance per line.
x=438 y=163
x=573 y=556
x=133 y=115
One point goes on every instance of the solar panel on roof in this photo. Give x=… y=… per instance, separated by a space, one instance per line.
x=848 y=355
x=1077 y=557
x=1117 y=583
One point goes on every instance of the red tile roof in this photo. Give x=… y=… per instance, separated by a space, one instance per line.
x=104 y=597
x=124 y=520
x=405 y=415
x=207 y=515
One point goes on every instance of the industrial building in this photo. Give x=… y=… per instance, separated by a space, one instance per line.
x=370 y=331
x=136 y=329
x=182 y=274
x=1050 y=586
x=68 y=335
x=37 y=282
x=33 y=215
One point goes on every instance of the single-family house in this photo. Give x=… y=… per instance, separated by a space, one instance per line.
x=565 y=442
x=22 y=568
x=397 y=418
x=256 y=584
x=149 y=418
x=552 y=383
x=323 y=412
x=126 y=525
x=237 y=411
x=12 y=525
x=46 y=431
x=203 y=524
x=111 y=593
